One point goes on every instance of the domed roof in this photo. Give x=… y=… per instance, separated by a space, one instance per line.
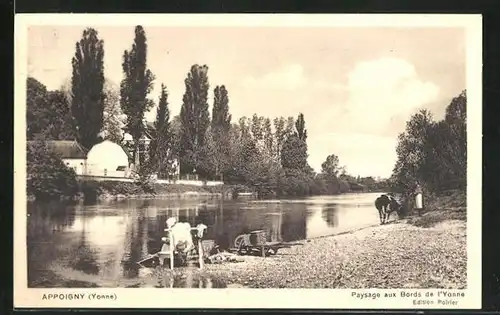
x=107 y=153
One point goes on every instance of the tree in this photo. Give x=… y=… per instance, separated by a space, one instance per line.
x=294 y=153
x=47 y=176
x=87 y=84
x=456 y=119
x=268 y=136
x=195 y=118
x=279 y=133
x=300 y=126
x=176 y=134
x=60 y=122
x=445 y=160
x=413 y=148
x=36 y=106
x=161 y=148
x=135 y=88
x=290 y=126
x=47 y=113
x=208 y=156
x=256 y=127
x=221 y=118
x=330 y=166
x=113 y=117
x=221 y=124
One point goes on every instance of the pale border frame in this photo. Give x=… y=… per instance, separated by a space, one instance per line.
x=246 y=298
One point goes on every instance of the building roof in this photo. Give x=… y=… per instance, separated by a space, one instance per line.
x=107 y=153
x=68 y=149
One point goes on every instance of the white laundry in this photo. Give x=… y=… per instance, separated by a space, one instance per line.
x=182 y=237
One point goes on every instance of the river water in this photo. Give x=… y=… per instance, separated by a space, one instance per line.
x=105 y=241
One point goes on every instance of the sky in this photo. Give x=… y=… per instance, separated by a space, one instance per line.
x=356 y=87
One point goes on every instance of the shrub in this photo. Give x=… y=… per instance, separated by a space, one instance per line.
x=47 y=176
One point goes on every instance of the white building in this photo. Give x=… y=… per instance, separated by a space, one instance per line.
x=108 y=159
x=73 y=155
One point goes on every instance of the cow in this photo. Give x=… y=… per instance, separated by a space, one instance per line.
x=386 y=204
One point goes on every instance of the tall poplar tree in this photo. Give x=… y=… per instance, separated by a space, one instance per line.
x=135 y=87
x=87 y=88
x=195 y=118
x=221 y=118
x=300 y=126
x=279 y=133
x=160 y=150
x=221 y=125
x=268 y=136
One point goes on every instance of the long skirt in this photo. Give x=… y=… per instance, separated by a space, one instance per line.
x=418 y=201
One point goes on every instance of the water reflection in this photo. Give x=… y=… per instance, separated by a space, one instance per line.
x=106 y=240
x=188 y=279
x=330 y=214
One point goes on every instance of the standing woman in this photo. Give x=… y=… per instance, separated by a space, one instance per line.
x=419 y=205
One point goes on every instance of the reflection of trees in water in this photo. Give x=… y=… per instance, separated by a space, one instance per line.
x=330 y=214
x=294 y=224
x=44 y=220
x=280 y=222
x=274 y=226
x=84 y=258
x=47 y=218
x=135 y=237
x=188 y=279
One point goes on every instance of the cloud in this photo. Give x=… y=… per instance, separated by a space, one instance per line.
x=289 y=77
x=383 y=89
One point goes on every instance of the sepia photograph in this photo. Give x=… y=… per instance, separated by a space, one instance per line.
x=248 y=152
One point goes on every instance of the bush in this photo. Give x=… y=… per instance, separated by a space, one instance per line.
x=47 y=176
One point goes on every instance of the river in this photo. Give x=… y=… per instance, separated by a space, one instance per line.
x=106 y=240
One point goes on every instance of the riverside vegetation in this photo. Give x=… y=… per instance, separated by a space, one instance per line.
x=267 y=155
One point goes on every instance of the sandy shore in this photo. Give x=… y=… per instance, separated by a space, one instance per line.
x=395 y=255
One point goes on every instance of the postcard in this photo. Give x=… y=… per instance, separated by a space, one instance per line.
x=248 y=161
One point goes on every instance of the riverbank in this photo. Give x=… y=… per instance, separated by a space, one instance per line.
x=415 y=252
x=116 y=190
x=429 y=251
x=108 y=190
x=397 y=255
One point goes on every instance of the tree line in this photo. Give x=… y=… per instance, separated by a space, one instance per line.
x=268 y=154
